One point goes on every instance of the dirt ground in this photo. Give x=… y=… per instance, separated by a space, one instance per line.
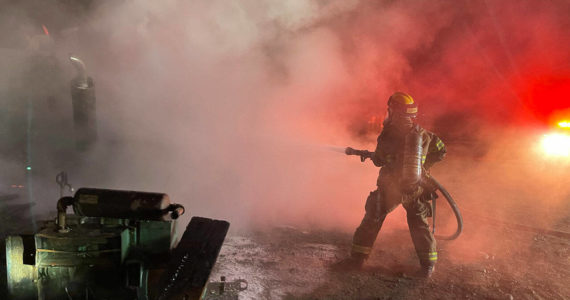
x=292 y=263
x=488 y=261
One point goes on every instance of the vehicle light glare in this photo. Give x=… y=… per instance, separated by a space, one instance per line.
x=556 y=144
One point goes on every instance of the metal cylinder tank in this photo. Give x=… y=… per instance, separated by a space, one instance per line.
x=412 y=160
x=92 y=202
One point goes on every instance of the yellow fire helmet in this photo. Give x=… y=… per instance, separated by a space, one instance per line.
x=402 y=104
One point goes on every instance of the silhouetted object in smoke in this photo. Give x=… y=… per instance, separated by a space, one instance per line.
x=9 y=197
x=84 y=104
x=61 y=180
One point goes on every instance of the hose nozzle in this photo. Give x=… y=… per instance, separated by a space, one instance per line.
x=364 y=154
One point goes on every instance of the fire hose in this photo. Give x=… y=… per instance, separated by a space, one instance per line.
x=364 y=154
x=453 y=206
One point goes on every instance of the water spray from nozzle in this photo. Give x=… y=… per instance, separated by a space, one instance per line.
x=335 y=148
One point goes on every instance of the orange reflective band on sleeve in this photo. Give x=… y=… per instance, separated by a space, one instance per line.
x=361 y=249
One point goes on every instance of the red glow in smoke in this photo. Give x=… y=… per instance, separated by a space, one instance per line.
x=45 y=30
x=546 y=98
x=489 y=63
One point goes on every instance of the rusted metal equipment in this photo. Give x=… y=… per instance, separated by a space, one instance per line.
x=117 y=245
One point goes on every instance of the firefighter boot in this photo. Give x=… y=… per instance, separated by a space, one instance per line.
x=357 y=260
x=426 y=271
x=354 y=262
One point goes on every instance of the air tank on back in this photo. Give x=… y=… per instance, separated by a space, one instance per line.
x=412 y=160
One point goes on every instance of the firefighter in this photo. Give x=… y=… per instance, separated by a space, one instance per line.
x=393 y=188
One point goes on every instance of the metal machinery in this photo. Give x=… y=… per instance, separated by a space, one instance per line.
x=116 y=245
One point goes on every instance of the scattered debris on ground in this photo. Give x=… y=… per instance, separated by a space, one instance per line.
x=290 y=263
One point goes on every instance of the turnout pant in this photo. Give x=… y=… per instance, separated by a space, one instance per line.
x=381 y=202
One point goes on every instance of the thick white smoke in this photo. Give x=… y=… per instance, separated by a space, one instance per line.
x=227 y=106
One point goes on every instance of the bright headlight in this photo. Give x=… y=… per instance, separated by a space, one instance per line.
x=556 y=144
